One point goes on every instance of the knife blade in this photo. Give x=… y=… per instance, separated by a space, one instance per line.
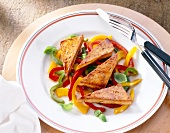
x=161 y=55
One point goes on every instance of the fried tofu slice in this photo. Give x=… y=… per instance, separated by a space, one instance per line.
x=99 y=77
x=103 y=50
x=69 y=51
x=111 y=95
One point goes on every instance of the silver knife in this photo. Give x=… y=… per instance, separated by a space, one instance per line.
x=147 y=45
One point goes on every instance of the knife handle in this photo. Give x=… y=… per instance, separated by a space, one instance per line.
x=157 y=52
x=156 y=67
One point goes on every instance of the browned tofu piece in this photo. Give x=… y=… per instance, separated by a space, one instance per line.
x=110 y=95
x=103 y=50
x=99 y=77
x=69 y=51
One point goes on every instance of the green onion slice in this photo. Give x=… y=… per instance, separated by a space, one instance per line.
x=67 y=106
x=120 y=77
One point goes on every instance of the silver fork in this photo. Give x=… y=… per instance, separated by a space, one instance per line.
x=127 y=29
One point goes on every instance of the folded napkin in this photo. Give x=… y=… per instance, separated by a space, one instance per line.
x=16 y=116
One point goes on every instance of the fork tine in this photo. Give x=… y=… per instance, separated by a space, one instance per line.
x=115 y=22
x=118 y=27
x=119 y=24
x=121 y=31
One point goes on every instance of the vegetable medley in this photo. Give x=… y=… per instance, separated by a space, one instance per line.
x=93 y=73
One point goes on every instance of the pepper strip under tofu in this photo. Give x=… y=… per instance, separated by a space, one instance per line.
x=69 y=51
x=102 y=50
x=124 y=107
x=83 y=108
x=99 y=77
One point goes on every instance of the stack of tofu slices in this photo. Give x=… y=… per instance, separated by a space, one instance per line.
x=99 y=77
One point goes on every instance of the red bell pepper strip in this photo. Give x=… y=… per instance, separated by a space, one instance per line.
x=98 y=62
x=120 y=47
x=121 y=67
x=66 y=83
x=52 y=74
x=78 y=60
x=131 y=63
x=75 y=76
x=79 y=54
x=111 y=105
x=95 y=107
x=81 y=91
x=85 y=45
x=88 y=48
x=113 y=80
x=93 y=43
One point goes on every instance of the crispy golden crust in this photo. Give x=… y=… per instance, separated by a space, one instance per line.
x=69 y=51
x=110 y=95
x=99 y=77
x=103 y=50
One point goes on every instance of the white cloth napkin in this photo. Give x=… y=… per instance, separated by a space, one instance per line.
x=15 y=114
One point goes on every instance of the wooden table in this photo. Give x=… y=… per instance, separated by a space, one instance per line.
x=160 y=121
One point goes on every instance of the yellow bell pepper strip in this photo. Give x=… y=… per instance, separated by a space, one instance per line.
x=95 y=45
x=135 y=82
x=130 y=55
x=83 y=108
x=100 y=37
x=70 y=78
x=53 y=89
x=58 y=54
x=60 y=92
x=75 y=66
x=52 y=65
x=121 y=55
x=124 y=107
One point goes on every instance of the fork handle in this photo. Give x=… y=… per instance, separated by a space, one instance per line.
x=157 y=52
x=156 y=67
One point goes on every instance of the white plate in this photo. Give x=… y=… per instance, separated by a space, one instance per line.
x=32 y=75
